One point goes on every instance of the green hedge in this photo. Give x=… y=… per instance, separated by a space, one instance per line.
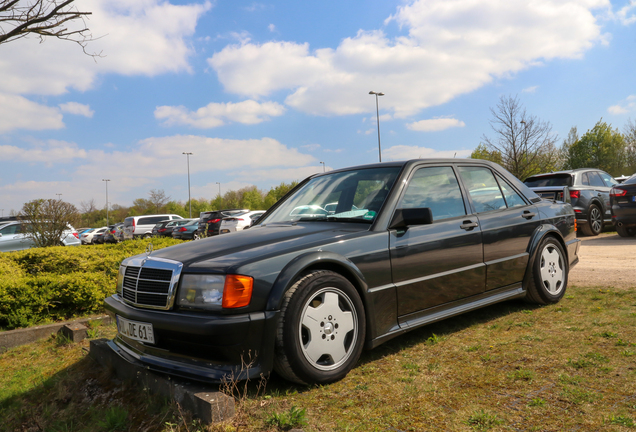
x=44 y=285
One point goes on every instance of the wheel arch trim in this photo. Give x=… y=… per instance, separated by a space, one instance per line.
x=541 y=233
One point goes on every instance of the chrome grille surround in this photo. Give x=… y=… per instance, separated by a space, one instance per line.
x=150 y=283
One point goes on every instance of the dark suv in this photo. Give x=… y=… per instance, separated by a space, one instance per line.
x=210 y=221
x=589 y=190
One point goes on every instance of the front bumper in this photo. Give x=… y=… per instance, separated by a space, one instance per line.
x=198 y=346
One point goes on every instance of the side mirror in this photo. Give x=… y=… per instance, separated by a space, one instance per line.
x=403 y=218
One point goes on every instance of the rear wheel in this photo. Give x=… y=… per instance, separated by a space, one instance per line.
x=594 y=224
x=625 y=232
x=196 y=236
x=549 y=273
x=322 y=329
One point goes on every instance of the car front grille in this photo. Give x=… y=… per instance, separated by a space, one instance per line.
x=149 y=287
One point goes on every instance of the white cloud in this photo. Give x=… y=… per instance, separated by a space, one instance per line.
x=624 y=107
x=280 y=174
x=136 y=37
x=435 y=125
x=626 y=14
x=77 y=109
x=402 y=152
x=271 y=28
x=17 y=112
x=217 y=114
x=49 y=152
x=532 y=89
x=452 y=47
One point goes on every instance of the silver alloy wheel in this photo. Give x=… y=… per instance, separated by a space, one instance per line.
x=552 y=269
x=596 y=220
x=328 y=329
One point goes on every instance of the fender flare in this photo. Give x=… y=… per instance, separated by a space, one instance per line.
x=539 y=234
x=318 y=259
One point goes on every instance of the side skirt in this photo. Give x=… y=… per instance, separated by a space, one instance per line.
x=438 y=313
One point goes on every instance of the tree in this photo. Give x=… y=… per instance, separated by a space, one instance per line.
x=47 y=220
x=158 y=199
x=525 y=143
x=482 y=152
x=44 y=18
x=630 y=147
x=277 y=193
x=600 y=147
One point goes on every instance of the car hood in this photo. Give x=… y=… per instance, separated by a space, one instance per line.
x=227 y=250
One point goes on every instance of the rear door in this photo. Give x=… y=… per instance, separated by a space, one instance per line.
x=442 y=262
x=507 y=223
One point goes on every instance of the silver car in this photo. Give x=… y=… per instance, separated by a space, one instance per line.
x=13 y=237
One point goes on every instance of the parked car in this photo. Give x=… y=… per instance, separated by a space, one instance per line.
x=240 y=222
x=160 y=226
x=210 y=221
x=141 y=226
x=98 y=238
x=623 y=205
x=13 y=236
x=175 y=224
x=115 y=233
x=188 y=231
x=304 y=293
x=589 y=191
x=87 y=236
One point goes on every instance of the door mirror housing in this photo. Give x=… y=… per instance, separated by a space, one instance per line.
x=403 y=218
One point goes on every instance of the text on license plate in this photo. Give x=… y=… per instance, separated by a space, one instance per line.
x=135 y=330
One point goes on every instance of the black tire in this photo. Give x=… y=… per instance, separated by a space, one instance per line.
x=549 y=273
x=594 y=224
x=322 y=329
x=625 y=232
x=196 y=236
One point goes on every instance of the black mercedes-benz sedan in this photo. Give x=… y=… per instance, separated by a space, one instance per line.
x=346 y=260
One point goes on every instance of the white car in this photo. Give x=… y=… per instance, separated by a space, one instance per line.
x=239 y=222
x=87 y=236
x=13 y=237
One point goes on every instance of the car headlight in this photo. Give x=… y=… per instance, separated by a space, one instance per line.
x=120 y=279
x=213 y=292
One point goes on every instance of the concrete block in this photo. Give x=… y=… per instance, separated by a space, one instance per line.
x=204 y=402
x=75 y=332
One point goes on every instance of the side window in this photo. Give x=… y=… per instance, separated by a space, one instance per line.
x=482 y=188
x=10 y=229
x=436 y=188
x=595 y=179
x=608 y=179
x=585 y=181
x=513 y=199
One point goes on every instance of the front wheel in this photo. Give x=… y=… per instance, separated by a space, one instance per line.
x=322 y=329
x=549 y=273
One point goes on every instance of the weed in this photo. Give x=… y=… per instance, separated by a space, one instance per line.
x=473 y=348
x=622 y=421
x=627 y=353
x=481 y=420
x=522 y=375
x=433 y=366
x=115 y=419
x=536 y=402
x=621 y=342
x=433 y=340
x=287 y=420
x=578 y=396
x=608 y=335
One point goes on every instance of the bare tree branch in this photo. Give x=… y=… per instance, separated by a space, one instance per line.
x=44 y=18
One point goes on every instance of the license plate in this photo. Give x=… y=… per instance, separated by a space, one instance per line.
x=138 y=331
x=548 y=195
x=225 y=231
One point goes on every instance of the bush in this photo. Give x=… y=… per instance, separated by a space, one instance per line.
x=44 y=285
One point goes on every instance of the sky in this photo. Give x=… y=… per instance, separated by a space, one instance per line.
x=265 y=92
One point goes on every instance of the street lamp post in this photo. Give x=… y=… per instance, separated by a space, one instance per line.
x=377 y=113
x=219 y=188
x=189 y=197
x=59 y=197
x=323 y=166
x=106 y=180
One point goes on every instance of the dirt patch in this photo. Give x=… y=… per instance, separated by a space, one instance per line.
x=607 y=260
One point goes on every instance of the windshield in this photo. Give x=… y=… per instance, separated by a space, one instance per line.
x=352 y=196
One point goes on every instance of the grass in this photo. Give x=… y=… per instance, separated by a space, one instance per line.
x=512 y=366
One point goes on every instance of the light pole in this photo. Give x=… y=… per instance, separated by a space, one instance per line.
x=219 y=188
x=377 y=113
x=323 y=166
x=106 y=180
x=59 y=197
x=189 y=198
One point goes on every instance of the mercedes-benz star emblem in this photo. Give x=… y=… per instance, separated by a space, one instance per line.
x=149 y=249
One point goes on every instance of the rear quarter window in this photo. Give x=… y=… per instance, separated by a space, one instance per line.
x=543 y=181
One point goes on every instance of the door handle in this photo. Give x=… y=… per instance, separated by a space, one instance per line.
x=528 y=215
x=468 y=225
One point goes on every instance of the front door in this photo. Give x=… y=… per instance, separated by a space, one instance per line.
x=442 y=262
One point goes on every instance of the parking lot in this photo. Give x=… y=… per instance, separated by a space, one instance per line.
x=606 y=260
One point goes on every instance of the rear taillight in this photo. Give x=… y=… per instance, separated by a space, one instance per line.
x=113 y=231
x=183 y=229
x=162 y=229
x=213 y=220
x=575 y=194
x=76 y=235
x=618 y=192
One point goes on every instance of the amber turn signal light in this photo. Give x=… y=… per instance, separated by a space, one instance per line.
x=237 y=291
